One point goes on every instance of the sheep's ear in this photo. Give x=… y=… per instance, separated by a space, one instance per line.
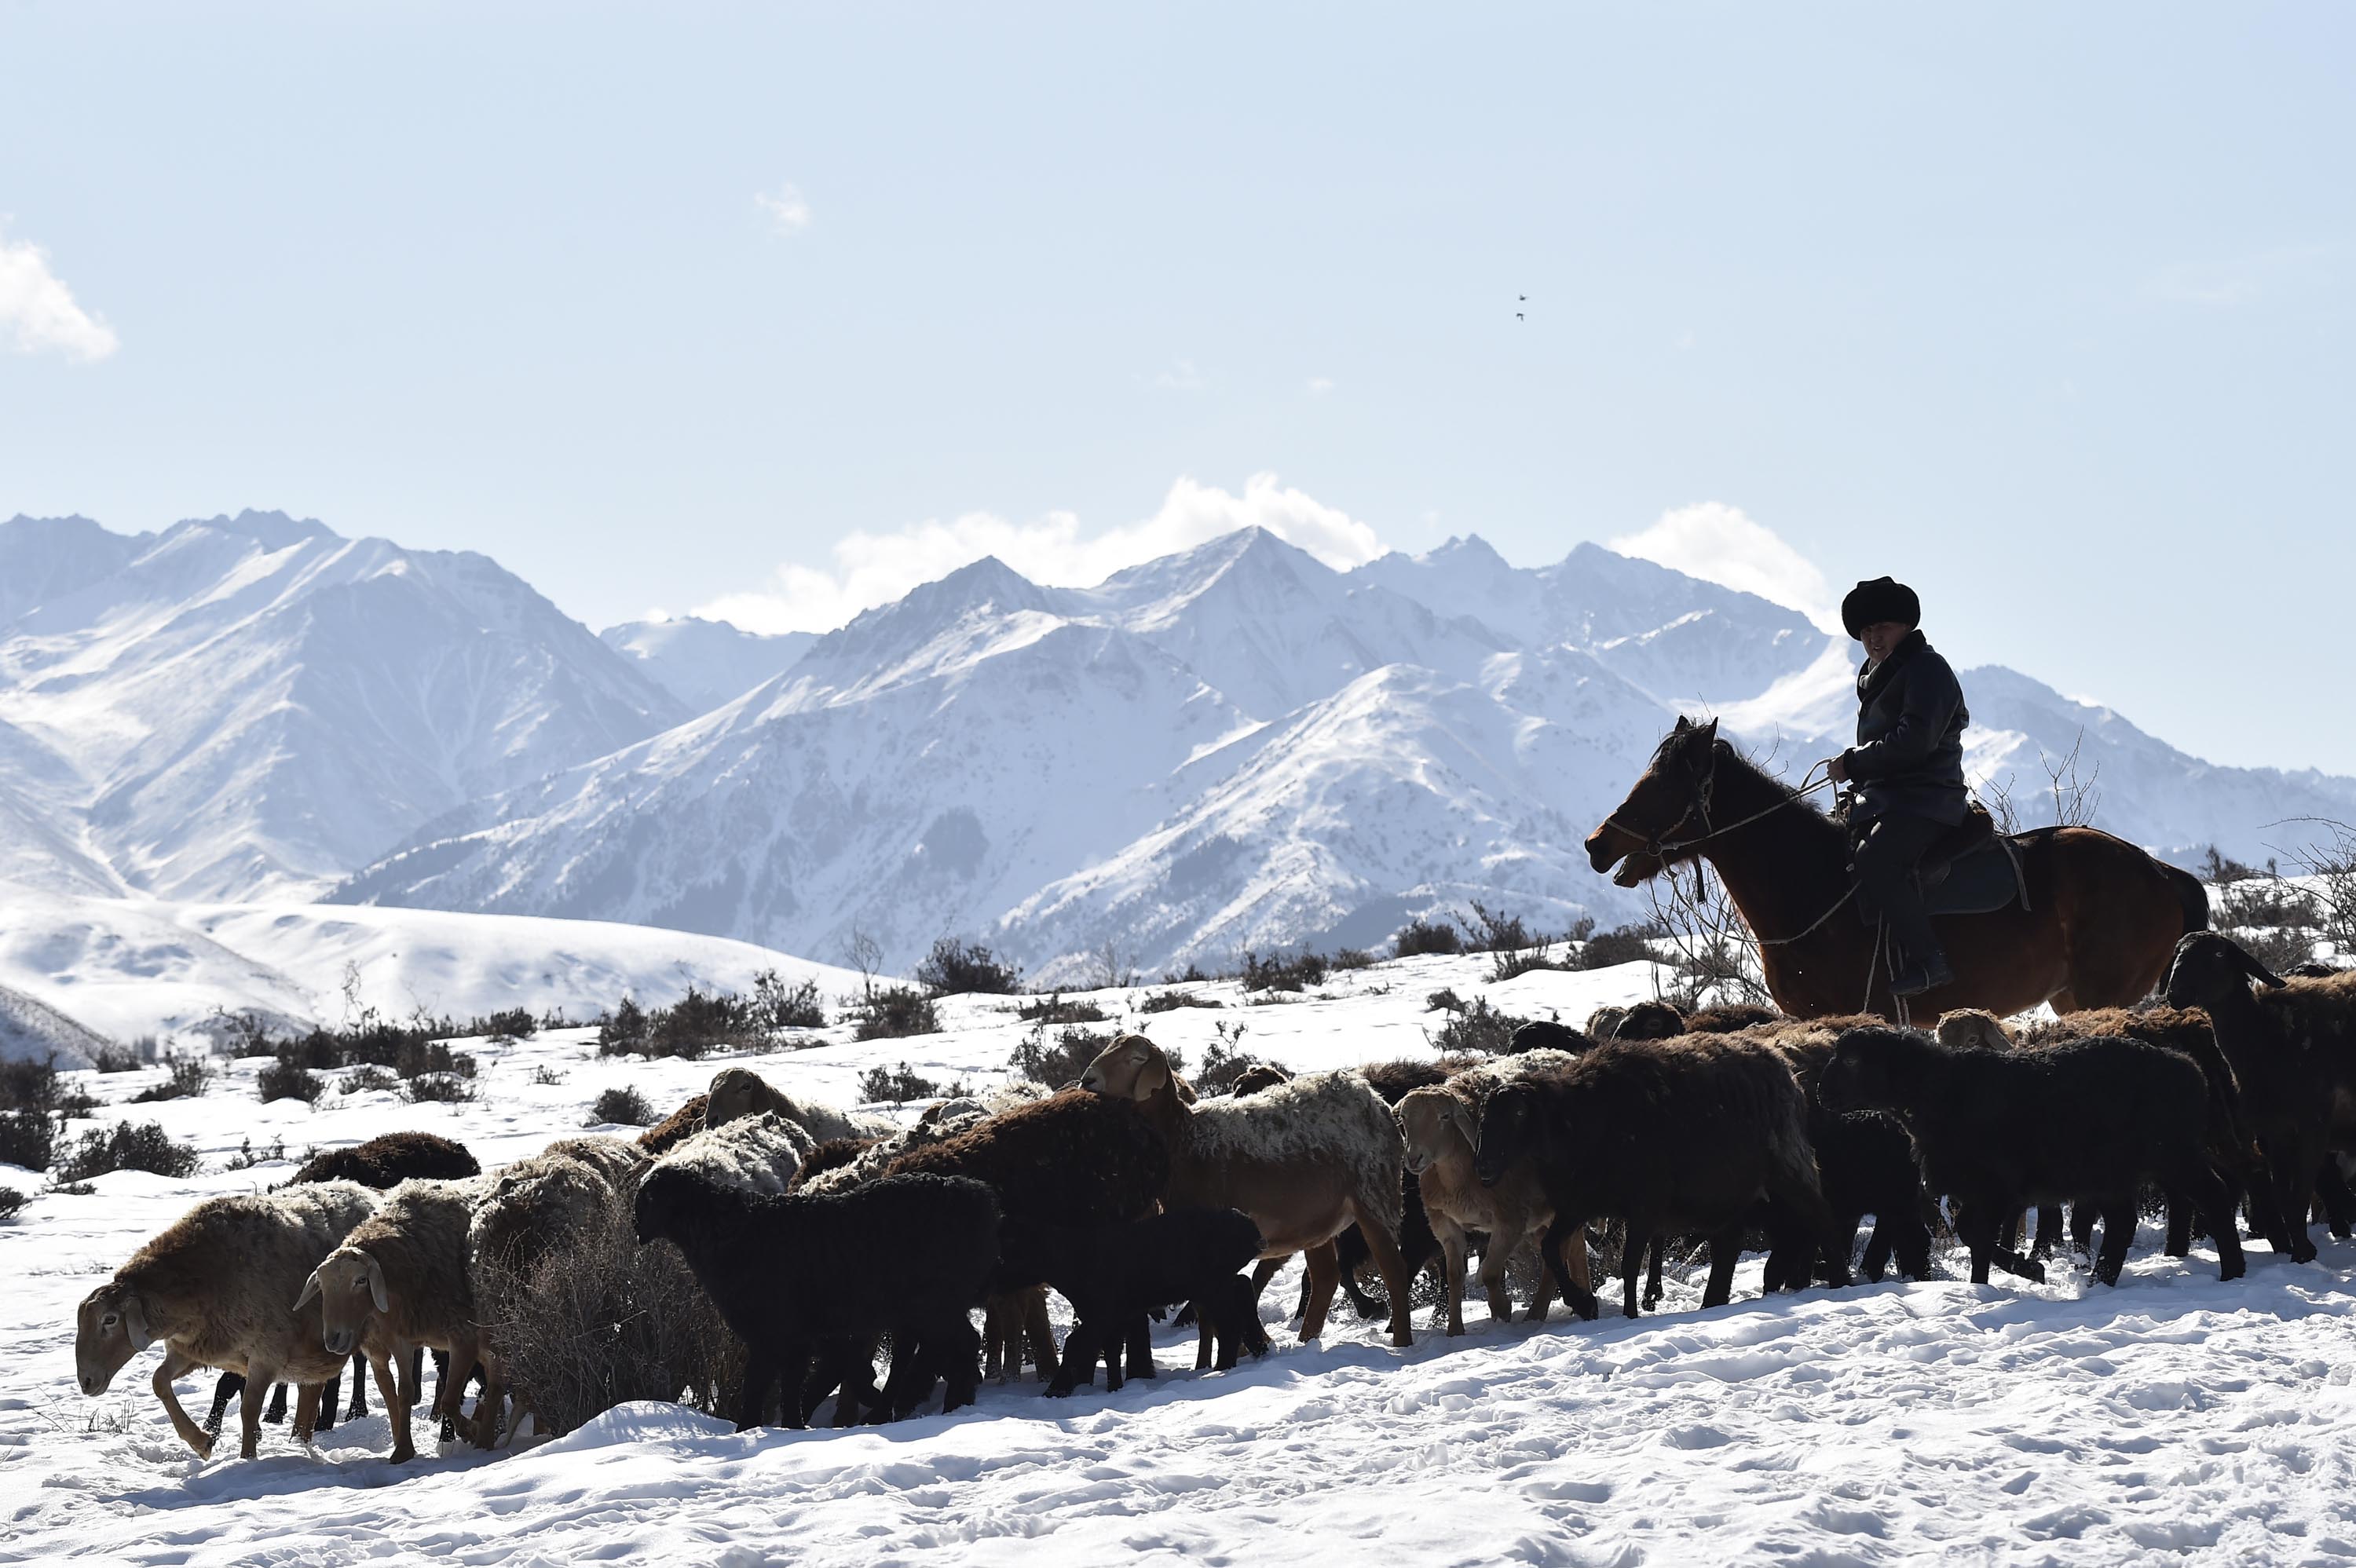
x=1466 y=1123
x=1154 y=1072
x=134 y=1319
x=310 y=1289
x=2257 y=971
x=376 y=1286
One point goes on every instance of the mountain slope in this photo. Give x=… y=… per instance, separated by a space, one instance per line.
x=252 y=703
x=704 y=663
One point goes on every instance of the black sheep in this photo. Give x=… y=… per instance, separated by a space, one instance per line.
x=1115 y=1274
x=1545 y=1034
x=382 y=1163
x=802 y=1274
x=2092 y=1118
x=1865 y=1164
x=1683 y=1133
x=2293 y=1051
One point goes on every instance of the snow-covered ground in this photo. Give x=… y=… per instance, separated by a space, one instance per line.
x=2169 y=1419
x=131 y=967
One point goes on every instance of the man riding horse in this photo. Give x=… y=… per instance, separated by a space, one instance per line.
x=1906 y=770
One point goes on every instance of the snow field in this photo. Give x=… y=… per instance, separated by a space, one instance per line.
x=2170 y=1419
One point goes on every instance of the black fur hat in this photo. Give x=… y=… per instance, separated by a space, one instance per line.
x=1882 y=598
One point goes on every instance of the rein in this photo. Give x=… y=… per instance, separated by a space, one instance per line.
x=1661 y=847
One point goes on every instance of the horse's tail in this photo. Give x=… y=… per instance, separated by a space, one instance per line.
x=2191 y=893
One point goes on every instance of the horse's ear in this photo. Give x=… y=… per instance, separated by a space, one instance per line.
x=1684 y=724
x=1710 y=728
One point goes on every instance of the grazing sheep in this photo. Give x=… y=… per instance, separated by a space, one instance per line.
x=761 y=1153
x=213 y=1289
x=1441 y=1128
x=1545 y=1034
x=1115 y=1274
x=1865 y=1162
x=1072 y=1158
x=616 y=1159
x=1652 y=1020
x=1604 y=1023
x=738 y=1092
x=386 y=1162
x=1418 y=1246
x=1259 y=1075
x=528 y=1211
x=401 y=1278
x=1973 y=1028
x=682 y=1124
x=380 y=1163
x=832 y=1154
x=1683 y=1133
x=1303 y=1159
x=798 y=1274
x=2091 y=1118
x=2293 y=1051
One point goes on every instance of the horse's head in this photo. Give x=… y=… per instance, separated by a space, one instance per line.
x=1670 y=802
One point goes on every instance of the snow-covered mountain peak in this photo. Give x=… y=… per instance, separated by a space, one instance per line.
x=272 y=530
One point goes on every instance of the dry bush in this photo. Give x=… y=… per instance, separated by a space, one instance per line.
x=601 y=1320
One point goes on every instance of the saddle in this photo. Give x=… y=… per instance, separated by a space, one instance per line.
x=1975 y=829
x=1971 y=869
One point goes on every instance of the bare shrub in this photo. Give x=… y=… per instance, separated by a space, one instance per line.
x=439 y=1089
x=1062 y=1060
x=1171 y=1001
x=901 y=1085
x=1054 y=1009
x=623 y=1106
x=29 y=1085
x=955 y=967
x=366 y=1078
x=125 y=1147
x=116 y=1059
x=27 y=1138
x=1420 y=936
x=246 y=1156
x=896 y=1012
x=11 y=1203
x=189 y=1077
x=1224 y=1062
x=1478 y=1029
x=1277 y=974
x=287 y=1079
x=601 y=1320
x=777 y=1004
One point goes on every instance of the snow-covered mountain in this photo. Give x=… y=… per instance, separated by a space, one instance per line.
x=1235 y=746
x=248 y=705
x=1232 y=747
x=705 y=663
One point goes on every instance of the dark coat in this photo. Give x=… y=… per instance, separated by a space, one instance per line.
x=1908 y=756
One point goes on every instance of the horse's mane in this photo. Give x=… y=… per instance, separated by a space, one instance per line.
x=1756 y=787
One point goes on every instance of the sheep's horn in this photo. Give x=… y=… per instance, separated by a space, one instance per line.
x=310 y=1289
x=134 y=1318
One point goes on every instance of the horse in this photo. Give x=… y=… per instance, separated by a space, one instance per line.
x=2102 y=920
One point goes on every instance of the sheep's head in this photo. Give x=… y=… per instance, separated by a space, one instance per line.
x=658 y=1213
x=735 y=1093
x=1131 y=1068
x=349 y=1284
x=110 y=1328
x=1859 y=1076
x=1651 y=1020
x=2209 y=970
x=1437 y=1126
x=1259 y=1075
x=1509 y=1125
x=1971 y=1028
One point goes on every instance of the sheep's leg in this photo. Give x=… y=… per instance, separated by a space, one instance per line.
x=2214 y=1199
x=1264 y=1271
x=2177 y=1242
x=229 y=1384
x=1039 y=1331
x=2081 y=1230
x=1542 y=1293
x=396 y=1409
x=173 y=1365
x=1397 y=1282
x=1140 y=1347
x=1973 y=1228
x=358 y=1407
x=276 y=1413
x=2339 y=1202
x=259 y=1376
x=491 y=1407
x=995 y=1336
x=1079 y=1363
x=1631 y=1265
x=307 y=1404
x=1660 y=1245
x=760 y=1371
x=331 y=1397
x=2294 y=1180
x=963 y=1351
x=1452 y=1264
x=1324 y=1270
x=1725 y=1249
x=2118 y=1231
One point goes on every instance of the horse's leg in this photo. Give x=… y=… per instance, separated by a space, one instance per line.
x=1660 y=1245
x=1631 y=1263
x=1324 y=1274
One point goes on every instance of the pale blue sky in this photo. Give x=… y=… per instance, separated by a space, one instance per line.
x=2048 y=310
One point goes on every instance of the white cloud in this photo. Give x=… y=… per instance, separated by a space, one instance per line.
x=869 y=568
x=1184 y=378
x=37 y=312
x=788 y=212
x=1722 y=544
x=1320 y=385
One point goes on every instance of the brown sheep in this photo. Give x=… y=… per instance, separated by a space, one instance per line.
x=213 y=1289
x=739 y=1091
x=683 y=1123
x=1441 y=1126
x=1303 y=1159
x=386 y=1162
x=1966 y=1029
x=402 y=1278
x=528 y=1210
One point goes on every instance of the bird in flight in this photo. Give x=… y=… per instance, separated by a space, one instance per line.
x=1519 y=317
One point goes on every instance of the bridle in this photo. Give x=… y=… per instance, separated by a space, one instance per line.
x=1660 y=846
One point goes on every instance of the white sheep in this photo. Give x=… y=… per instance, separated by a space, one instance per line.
x=760 y=1153
x=738 y=1092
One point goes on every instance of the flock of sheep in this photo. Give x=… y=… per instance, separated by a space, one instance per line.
x=820 y=1237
